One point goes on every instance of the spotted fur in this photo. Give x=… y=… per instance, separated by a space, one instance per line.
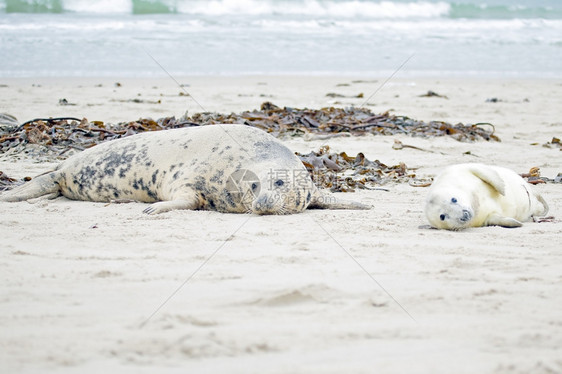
x=189 y=168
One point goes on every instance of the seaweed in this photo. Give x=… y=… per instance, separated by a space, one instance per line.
x=339 y=172
x=533 y=176
x=554 y=143
x=7 y=183
x=69 y=132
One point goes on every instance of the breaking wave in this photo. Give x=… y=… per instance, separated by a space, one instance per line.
x=334 y=9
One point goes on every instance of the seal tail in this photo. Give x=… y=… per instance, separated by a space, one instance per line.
x=44 y=184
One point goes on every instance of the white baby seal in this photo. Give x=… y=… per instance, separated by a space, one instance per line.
x=475 y=195
x=226 y=168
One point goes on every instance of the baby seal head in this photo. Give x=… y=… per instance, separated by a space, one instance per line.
x=450 y=210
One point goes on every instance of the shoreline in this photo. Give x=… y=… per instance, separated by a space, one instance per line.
x=100 y=96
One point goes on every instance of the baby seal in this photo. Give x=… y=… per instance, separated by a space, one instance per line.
x=226 y=168
x=475 y=195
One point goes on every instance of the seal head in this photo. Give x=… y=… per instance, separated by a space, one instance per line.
x=283 y=192
x=450 y=209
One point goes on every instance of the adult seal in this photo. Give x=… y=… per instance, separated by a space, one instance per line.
x=226 y=168
x=475 y=195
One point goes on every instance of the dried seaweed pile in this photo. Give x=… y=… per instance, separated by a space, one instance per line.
x=343 y=173
x=61 y=134
x=55 y=137
x=355 y=121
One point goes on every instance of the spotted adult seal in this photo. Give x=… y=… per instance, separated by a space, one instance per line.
x=475 y=195
x=226 y=168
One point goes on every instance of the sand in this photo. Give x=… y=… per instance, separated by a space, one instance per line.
x=88 y=287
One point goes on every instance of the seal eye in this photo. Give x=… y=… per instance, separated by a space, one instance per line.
x=279 y=183
x=442 y=217
x=254 y=186
x=454 y=200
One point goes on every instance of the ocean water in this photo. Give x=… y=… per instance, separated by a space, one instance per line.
x=520 y=38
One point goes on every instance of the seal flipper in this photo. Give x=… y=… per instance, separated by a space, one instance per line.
x=187 y=200
x=44 y=184
x=322 y=200
x=166 y=206
x=497 y=220
x=489 y=176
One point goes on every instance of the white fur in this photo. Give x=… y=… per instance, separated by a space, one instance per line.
x=475 y=195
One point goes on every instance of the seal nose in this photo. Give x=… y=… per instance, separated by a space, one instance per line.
x=261 y=201
x=466 y=215
x=262 y=205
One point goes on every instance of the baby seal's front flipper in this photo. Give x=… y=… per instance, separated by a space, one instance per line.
x=489 y=176
x=497 y=220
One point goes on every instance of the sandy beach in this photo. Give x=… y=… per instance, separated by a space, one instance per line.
x=90 y=287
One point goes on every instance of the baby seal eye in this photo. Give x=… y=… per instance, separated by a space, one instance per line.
x=279 y=183
x=442 y=217
x=454 y=200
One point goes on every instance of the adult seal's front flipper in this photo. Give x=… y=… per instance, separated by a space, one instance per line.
x=322 y=200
